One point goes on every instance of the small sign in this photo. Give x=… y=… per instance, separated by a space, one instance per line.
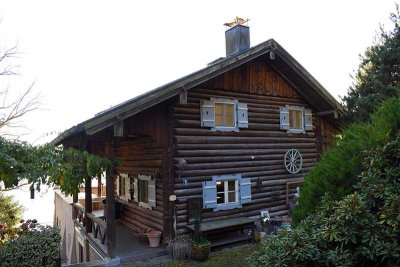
x=185 y=181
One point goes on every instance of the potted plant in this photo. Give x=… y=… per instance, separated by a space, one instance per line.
x=200 y=245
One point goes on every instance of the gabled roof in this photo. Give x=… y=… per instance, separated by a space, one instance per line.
x=291 y=70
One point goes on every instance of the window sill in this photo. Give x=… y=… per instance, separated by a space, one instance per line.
x=229 y=206
x=224 y=129
x=144 y=205
x=296 y=131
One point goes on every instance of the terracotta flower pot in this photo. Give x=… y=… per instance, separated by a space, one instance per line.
x=200 y=253
x=154 y=238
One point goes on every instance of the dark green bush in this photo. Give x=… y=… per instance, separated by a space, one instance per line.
x=362 y=229
x=336 y=173
x=40 y=247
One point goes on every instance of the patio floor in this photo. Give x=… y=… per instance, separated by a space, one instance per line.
x=130 y=248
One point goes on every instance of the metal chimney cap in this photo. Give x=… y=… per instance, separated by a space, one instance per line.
x=236 y=21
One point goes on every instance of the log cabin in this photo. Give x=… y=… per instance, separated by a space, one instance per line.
x=224 y=142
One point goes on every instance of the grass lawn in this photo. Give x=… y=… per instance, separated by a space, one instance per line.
x=227 y=257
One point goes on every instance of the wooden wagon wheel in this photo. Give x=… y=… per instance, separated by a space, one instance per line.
x=293 y=161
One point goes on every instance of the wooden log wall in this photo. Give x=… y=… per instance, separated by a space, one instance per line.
x=327 y=133
x=256 y=152
x=142 y=155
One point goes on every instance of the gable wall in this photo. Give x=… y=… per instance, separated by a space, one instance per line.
x=256 y=152
x=254 y=77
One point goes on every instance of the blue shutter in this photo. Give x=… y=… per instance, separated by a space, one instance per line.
x=207 y=110
x=245 y=190
x=242 y=116
x=284 y=118
x=209 y=194
x=308 y=120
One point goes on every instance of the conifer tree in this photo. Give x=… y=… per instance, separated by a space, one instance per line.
x=378 y=75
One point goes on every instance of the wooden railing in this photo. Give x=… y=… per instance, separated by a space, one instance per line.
x=98 y=225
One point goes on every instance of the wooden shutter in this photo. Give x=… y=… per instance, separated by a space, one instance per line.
x=152 y=193
x=284 y=121
x=207 y=113
x=308 y=126
x=209 y=194
x=242 y=116
x=135 y=189
x=245 y=190
x=127 y=188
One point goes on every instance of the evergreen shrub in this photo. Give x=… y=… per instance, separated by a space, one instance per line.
x=335 y=175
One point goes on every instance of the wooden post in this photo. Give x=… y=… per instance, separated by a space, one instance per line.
x=167 y=173
x=99 y=186
x=75 y=198
x=88 y=203
x=110 y=203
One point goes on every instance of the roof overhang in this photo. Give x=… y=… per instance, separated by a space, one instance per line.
x=302 y=81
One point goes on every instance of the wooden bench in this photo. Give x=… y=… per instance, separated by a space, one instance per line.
x=227 y=225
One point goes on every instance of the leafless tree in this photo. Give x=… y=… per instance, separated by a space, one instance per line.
x=13 y=106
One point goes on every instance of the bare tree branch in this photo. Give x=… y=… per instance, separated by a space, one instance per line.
x=13 y=108
x=14 y=187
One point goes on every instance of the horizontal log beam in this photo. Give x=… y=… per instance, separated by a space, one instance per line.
x=241 y=140
x=236 y=152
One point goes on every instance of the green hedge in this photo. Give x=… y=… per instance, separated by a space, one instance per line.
x=335 y=175
x=362 y=229
x=36 y=248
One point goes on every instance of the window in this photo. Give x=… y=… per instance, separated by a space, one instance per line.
x=124 y=186
x=224 y=114
x=226 y=192
x=295 y=119
x=144 y=191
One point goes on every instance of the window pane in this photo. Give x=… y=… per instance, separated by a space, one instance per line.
x=218 y=114
x=143 y=191
x=122 y=183
x=232 y=197
x=224 y=114
x=296 y=119
x=232 y=185
x=218 y=109
x=220 y=186
x=220 y=198
x=220 y=192
x=229 y=115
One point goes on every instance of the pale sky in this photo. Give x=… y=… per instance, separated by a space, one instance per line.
x=87 y=56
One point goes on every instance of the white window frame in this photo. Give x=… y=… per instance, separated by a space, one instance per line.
x=226 y=191
x=242 y=190
x=229 y=102
x=295 y=130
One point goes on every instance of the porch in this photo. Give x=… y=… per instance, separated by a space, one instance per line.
x=128 y=247
x=86 y=239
